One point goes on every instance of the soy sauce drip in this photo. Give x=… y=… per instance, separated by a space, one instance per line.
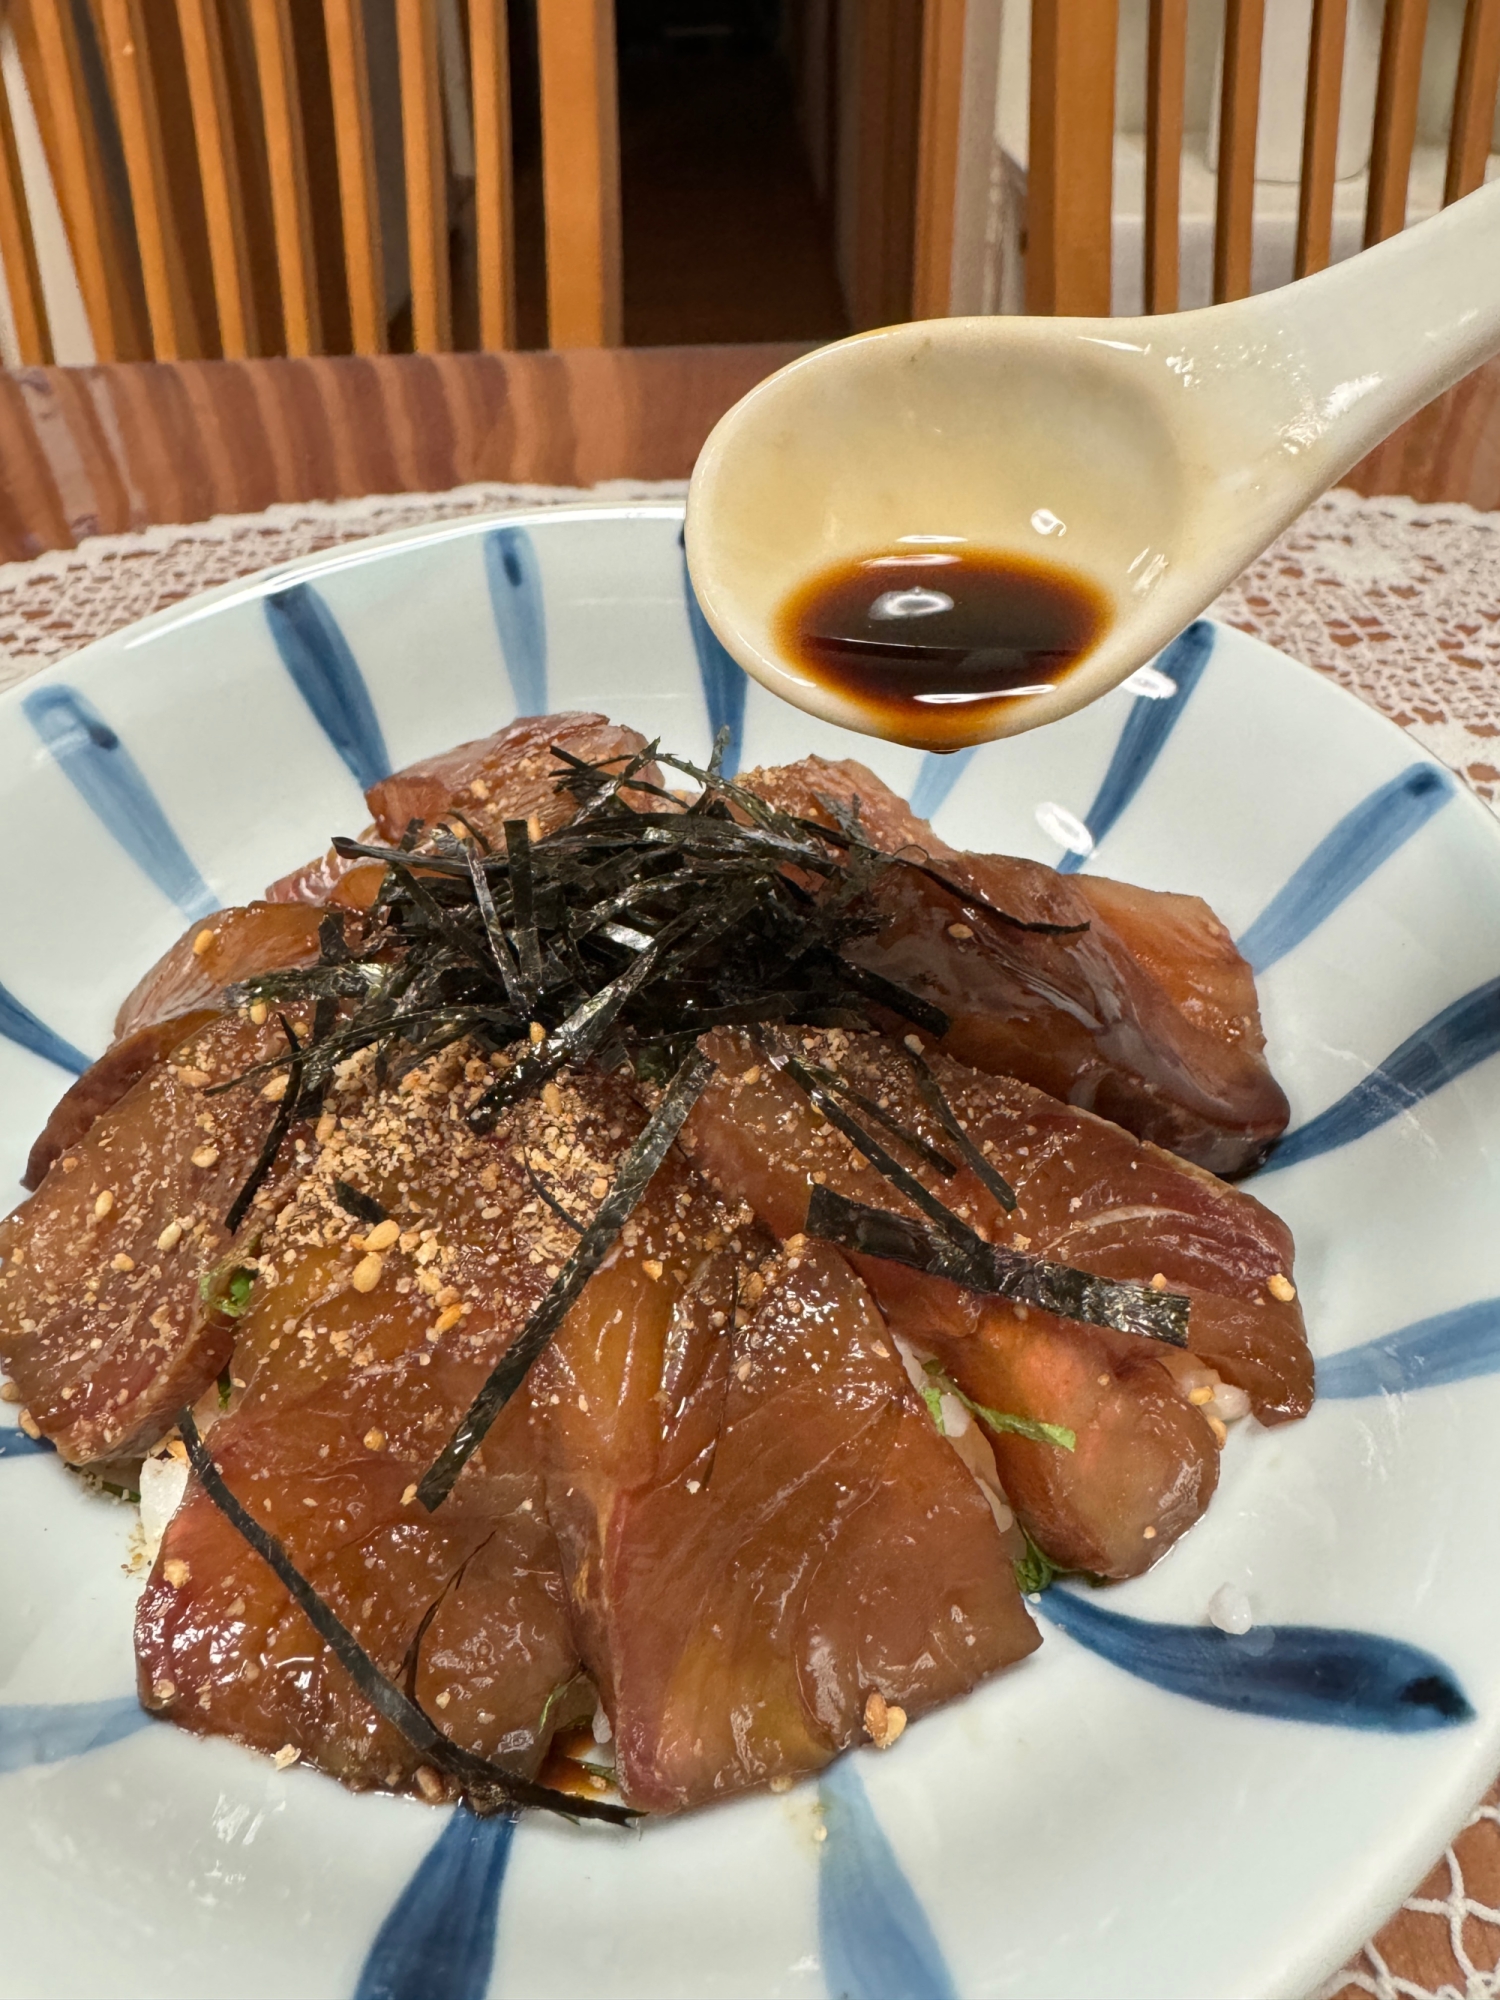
x=929 y=641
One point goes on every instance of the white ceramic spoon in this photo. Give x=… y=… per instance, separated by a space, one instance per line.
x=1156 y=457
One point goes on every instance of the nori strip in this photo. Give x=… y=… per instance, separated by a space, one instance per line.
x=942 y=1110
x=523 y=902
x=632 y=1177
x=540 y=1189
x=939 y=1161
x=486 y=1788
x=363 y=1207
x=281 y=1124
x=1006 y=1274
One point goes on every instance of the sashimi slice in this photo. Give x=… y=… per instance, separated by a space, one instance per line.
x=1153 y=1024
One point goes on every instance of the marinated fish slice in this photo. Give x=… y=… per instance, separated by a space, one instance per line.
x=1145 y=1456
x=102 y=1323
x=215 y=953
x=103 y=1084
x=510 y=775
x=784 y=1536
x=1097 y=1018
x=361 y=1348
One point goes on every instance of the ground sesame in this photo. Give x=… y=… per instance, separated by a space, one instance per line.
x=960 y=931
x=1281 y=1288
x=366 y=1274
x=286 y=1756
x=176 y=1572
x=206 y=1156
x=195 y=1078
x=883 y=1721
x=103 y=1203
x=652 y=1267
x=163 y=1690
x=445 y=1321
x=374 y=1440
x=120 y=1262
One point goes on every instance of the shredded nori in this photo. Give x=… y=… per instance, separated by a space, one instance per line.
x=486 y=1787
x=942 y=1110
x=363 y=1207
x=632 y=1176
x=968 y=1260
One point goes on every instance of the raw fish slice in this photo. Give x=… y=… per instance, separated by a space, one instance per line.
x=1146 y=1457
x=805 y=1541
x=510 y=775
x=180 y=993
x=102 y=1085
x=216 y=952
x=356 y=1365
x=1096 y=1018
x=102 y=1324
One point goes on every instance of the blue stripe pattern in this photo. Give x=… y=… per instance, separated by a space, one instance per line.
x=19 y=1024
x=438 y=1943
x=326 y=674
x=1151 y=721
x=109 y=781
x=514 y=578
x=1294 y=1673
x=1465 y=1033
x=16 y=1443
x=939 y=772
x=722 y=676
x=46 y=1732
x=1348 y=856
x=876 y=1941
x=1450 y=1347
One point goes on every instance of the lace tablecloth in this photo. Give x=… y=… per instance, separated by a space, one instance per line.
x=1398 y=602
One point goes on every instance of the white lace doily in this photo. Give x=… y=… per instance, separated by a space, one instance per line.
x=1398 y=602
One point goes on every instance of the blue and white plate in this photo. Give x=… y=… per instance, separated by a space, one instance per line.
x=1145 y=1807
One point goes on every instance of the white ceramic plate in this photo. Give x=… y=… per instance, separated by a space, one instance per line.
x=1092 y=1822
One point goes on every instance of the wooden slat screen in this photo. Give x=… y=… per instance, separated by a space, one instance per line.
x=1320 y=135
x=1071 y=173
x=276 y=72
x=1166 y=92
x=1239 y=120
x=23 y=278
x=174 y=332
x=219 y=172
x=1474 y=99
x=426 y=176
x=494 y=219
x=364 y=267
x=580 y=171
x=1395 y=117
x=943 y=24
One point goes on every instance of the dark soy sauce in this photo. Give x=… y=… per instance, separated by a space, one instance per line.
x=931 y=640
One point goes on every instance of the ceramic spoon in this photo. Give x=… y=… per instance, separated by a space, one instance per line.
x=1155 y=457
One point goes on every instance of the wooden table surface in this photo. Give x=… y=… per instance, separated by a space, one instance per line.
x=102 y=450
x=89 y=451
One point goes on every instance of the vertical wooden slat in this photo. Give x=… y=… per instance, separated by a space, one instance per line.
x=1071 y=170
x=580 y=171
x=23 y=278
x=1166 y=92
x=219 y=172
x=1320 y=135
x=940 y=115
x=1474 y=99
x=49 y=51
x=1239 y=115
x=426 y=176
x=291 y=219
x=349 y=76
x=489 y=63
x=174 y=332
x=1395 y=117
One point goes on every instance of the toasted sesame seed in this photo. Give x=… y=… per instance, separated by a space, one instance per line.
x=163 y=1690
x=1198 y=1397
x=652 y=1267
x=1148 y=1534
x=206 y=1156
x=176 y=1572
x=9 y=1393
x=258 y=1012
x=383 y=1235
x=444 y=1698
x=29 y=1424
x=195 y=1078
x=120 y=1262
x=325 y=1128
x=1158 y=1282
x=884 y=1722
x=203 y=942
x=446 y=1320
x=277 y=1088
x=374 y=1440
x=170 y=1237
x=429 y=1784
x=103 y=1203
x=408 y=1496
x=751 y=1075
x=366 y=1273
x=914 y=1043
x=537 y=1032
x=1281 y=1288
x=552 y=1099
x=287 y=1755
x=960 y=931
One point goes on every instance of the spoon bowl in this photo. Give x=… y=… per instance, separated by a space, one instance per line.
x=1152 y=458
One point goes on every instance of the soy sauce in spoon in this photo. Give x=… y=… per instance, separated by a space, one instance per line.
x=930 y=640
